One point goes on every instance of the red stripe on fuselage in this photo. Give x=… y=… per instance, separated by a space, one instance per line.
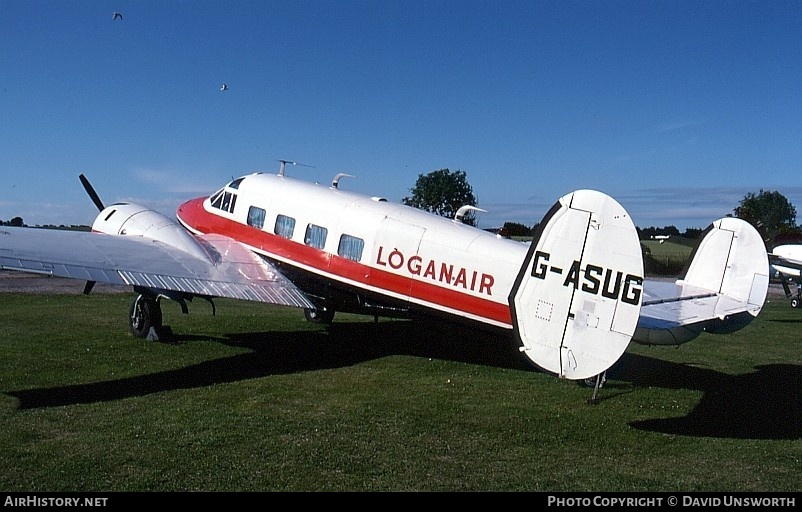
x=193 y=215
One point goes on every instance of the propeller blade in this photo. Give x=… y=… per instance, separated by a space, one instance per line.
x=91 y=191
x=88 y=287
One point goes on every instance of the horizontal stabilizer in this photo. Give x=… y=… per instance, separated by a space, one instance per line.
x=723 y=288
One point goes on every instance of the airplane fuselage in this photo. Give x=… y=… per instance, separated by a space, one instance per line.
x=790 y=260
x=361 y=254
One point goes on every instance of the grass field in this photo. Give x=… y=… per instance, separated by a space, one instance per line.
x=256 y=399
x=670 y=250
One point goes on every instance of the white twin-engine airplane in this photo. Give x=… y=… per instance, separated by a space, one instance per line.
x=573 y=298
x=787 y=261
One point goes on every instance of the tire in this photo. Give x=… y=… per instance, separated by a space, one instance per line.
x=590 y=382
x=145 y=313
x=795 y=303
x=319 y=316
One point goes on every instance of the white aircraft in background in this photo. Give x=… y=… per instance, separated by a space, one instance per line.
x=573 y=299
x=787 y=261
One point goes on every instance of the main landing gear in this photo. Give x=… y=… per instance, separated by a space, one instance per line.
x=796 y=299
x=321 y=316
x=596 y=383
x=145 y=317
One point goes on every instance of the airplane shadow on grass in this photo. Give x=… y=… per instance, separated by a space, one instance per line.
x=341 y=345
x=766 y=404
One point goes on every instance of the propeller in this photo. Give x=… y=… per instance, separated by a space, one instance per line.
x=91 y=191
x=95 y=199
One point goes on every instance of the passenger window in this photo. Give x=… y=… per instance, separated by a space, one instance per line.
x=285 y=226
x=315 y=236
x=351 y=247
x=256 y=217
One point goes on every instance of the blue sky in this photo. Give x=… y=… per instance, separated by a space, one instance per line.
x=676 y=108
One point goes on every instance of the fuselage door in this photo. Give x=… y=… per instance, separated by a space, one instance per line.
x=396 y=248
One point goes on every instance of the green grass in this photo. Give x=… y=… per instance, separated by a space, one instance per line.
x=667 y=258
x=669 y=250
x=257 y=399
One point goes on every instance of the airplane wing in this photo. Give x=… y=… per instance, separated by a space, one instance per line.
x=231 y=269
x=723 y=289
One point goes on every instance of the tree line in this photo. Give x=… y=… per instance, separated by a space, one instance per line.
x=18 y=222
x=444 y=191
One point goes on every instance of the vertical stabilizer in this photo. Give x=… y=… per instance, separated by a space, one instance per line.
x=731 y=260
x=576 y=300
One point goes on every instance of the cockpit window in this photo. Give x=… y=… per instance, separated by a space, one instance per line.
x=224 y=200
x=217 y=199
x=235 y=184
x=228 y=201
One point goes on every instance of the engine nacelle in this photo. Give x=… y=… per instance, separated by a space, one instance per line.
x=130 y=219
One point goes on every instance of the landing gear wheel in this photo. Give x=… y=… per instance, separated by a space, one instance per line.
x=592 y=381
x=145 y=314
x=319 y=316
x=795 y=303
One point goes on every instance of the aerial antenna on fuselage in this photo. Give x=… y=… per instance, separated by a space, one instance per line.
x=335 y=183
x=463 y=210
x=283 y=164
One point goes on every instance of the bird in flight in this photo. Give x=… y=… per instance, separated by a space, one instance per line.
x=117 y=16
x=224 y=87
